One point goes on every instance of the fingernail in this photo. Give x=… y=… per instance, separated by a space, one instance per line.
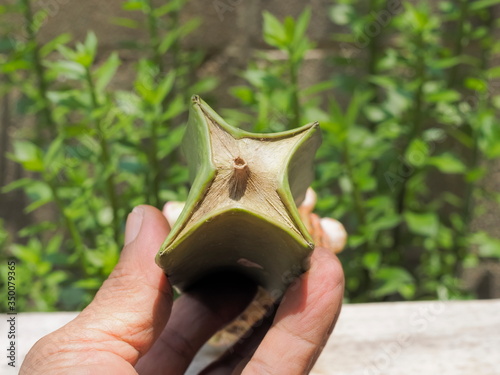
x=172 y=210
x=335 y=234
x=134 y=223
x=309 y=200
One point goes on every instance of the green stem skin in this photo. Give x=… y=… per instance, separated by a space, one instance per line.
x=356 y=193
x=176 y=57
x=41 y=82
x=105 y=158
x=68 y=221
x=154 y=37
x=373 y=46
x=364 y=282
x=155 y=165
x=295 y=102
x=156 y=174
x=471 y=188
x=458 y=46
x=373 y=57
x=415 y=132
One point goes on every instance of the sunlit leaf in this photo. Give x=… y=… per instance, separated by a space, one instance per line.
x=424 y=224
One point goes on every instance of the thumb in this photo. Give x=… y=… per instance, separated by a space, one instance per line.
x=134 y=303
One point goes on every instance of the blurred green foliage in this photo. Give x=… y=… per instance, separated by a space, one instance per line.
x=409 y=112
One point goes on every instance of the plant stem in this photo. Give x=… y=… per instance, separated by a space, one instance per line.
x=295 y=102
x=105 y=158
x=415 y=131
x=68 y=221
x=154 y=37
x=458 y=43
x=4 y=126
x=152 y=153
x=176 y=57
x=468 y=201
x=365 y=279
x=356 y=193
x=41 y=82
x=154 y=164
x=373 y=46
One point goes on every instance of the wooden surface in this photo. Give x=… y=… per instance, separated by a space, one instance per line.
x=409 y=338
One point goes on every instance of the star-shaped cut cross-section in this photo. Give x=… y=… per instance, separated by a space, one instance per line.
x=241 y=213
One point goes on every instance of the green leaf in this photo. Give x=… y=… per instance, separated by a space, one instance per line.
x=39 y=191
x=475 y=174
x=106 y=72
x=91 y=44
x=66 y=52
x=447 y=163
x=54 y=155
x=475 y=84
x=357 y=102
x=37 y=204
x=371 y=260
x=128 y=102
x=493 y=72
x=17 y=184
x=374 y=113
x=14 y=65
x=29 y=254
x=481 y=4
x=424 y=224
x=244 y=93
x=417 y=153
x=132 y=5
x=383 y=81
x=31 y=230
x=340 y=14
x=345 y=184
x=417 y=18
x=89 y=283
x=274 y=31
x=70 y=69
x=204 y=85
x=487 y=246
x=164 y=87
x=54 y=44
x=318 y=87
x=94 y=257
x=393 y=280
x=28 y=155
x=170 y=6
x=445 y=96
x=175 y=108
x=125 y=22
x=384 y=222
x=169 y=144
x=302 y=25
x=105 y=216
x=447 y=62
x=55 y=278
x=188 y=27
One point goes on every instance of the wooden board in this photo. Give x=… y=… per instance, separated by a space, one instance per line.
x=459 y=338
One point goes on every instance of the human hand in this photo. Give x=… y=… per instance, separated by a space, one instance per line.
x=132 y=325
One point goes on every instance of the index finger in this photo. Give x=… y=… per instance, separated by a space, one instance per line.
x=304 y=320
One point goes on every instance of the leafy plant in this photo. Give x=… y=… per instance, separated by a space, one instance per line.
x=408 y=123
x=274 y=93
x=415 y=126
x=96 y=152
x=408 y=119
